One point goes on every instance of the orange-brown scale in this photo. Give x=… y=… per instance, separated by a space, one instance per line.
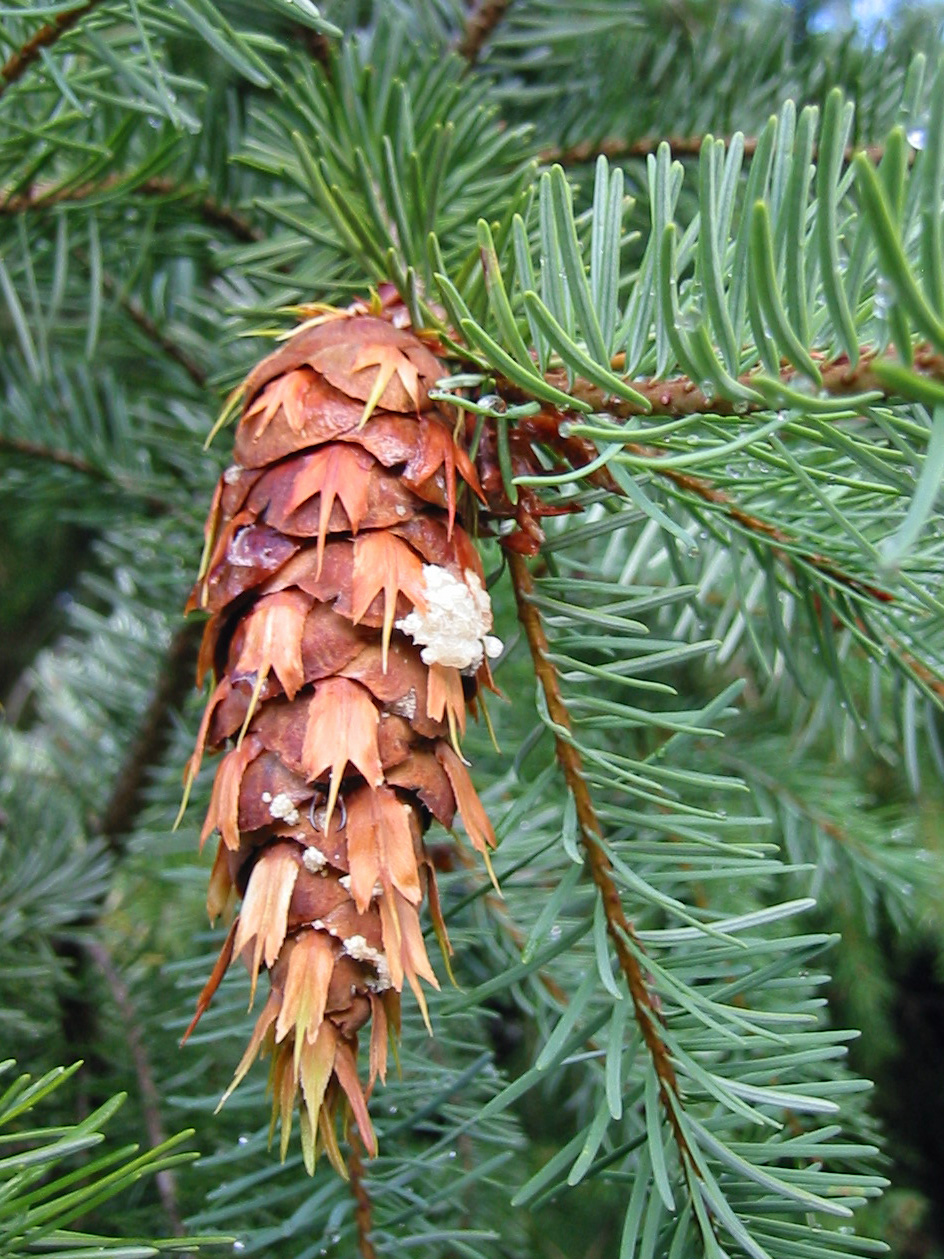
x=339 y=738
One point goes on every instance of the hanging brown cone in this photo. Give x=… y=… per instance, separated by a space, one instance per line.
x=349 y=631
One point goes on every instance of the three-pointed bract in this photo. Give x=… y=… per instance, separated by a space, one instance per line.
x=340 y=737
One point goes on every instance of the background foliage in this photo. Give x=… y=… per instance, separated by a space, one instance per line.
x=755 y=558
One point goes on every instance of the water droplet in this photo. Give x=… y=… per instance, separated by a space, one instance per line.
x=239 y=1245
x=884 y=296
x=689 y=320
x=555 y=931
x=243 y=1140
x=452 y=1154
x=493 y=402
x=741 y=407
x=392 y=1110
x=707 y=388
x=917 y=133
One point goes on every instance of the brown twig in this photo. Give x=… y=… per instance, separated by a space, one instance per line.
x=150 y=329
x=152 y=737
x=709 y=493
x=66 y=459
x=619 y=150
x=79 y=1007
x=544 y=429
x=363 y=1214
x=920 y=670
x=139 y=316
x=480 y=24
x=680 y=396
x=150 y=1098
x=217 y=213
x=619 y=928
x=47 y=35
x=319 y=46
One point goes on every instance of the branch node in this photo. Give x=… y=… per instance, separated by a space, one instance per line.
x=618 y=926
x=23 y=58
x=479 y=26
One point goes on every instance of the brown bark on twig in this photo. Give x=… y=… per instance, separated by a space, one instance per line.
x=709 y=493
x=47 y=35
x=150 y=329
x=363 y=1213
x=680 y=396
x=79 y=1006
x=66 y=459
x=619 y=928
x=139 y=316
x=44 y=197
x=319 y=46
x=544 y=427
x=619 y=150
x=152 y=737
x=479 y=26
x=147 y=1089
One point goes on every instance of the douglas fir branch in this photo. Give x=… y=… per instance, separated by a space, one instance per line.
x=349 y=631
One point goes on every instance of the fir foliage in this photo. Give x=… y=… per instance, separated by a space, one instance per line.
x=726 y=683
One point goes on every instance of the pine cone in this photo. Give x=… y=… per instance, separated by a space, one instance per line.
x=349 y=630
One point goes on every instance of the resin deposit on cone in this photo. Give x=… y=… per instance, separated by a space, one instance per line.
x=349 y=631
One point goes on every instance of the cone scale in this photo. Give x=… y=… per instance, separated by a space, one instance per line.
x=348 y=635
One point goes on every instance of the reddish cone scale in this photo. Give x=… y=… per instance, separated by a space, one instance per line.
x=332 y=544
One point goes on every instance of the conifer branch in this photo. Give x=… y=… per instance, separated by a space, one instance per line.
x=703 y=489
x=154 y=731
x=76 y=463
x=680 y=396
x=47 y=35
x=544 y=428
x=620 y=150
x=64 y=458
x=479 y=26
x=216 y=213
x=139 y=315
x=147 y=1089
x=780 y=791
x=150 y=329
x=619 y=928
x=502 y=916
x=319 y=46
x=363 y=1214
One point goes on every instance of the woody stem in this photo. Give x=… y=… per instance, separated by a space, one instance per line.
x=621 y=931
x=363 y=1214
